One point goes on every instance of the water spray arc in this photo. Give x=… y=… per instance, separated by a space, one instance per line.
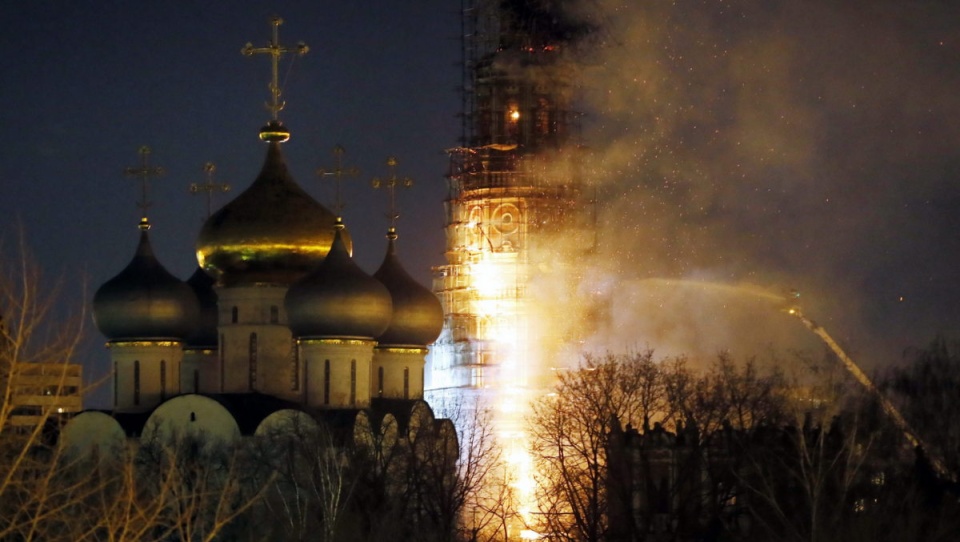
x=888 y=408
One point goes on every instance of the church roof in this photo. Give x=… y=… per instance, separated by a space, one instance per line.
x=205 y=333
x=273 y=232
x=338 y=299
x=417 y=315
x=145 y=301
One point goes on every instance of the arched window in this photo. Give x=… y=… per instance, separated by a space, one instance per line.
x=306 y=381
x=326 y=382
x=253 y=362
x=406 y=382
x=234 y=315
x=136 y=382
x=163 y=379
x=380 y=382
x=295 y=370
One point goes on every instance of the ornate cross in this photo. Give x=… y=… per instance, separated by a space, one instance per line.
x=209 y=187
x=391 y=182
x=275 y=50
x=144 y=172
x=338 y=175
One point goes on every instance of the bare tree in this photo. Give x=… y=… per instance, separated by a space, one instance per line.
x=450 y=473
x=801 y=477
x=177 y=490
x=34 y=329
x=927 y=391
x=50 y=493
x=431 y=478
x=570 y=428
x=308 y=476
x=628 y=445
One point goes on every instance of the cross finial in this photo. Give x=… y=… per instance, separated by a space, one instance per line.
x=391 y=182
x=338 y=174
x=275 y=50
x=144 y=172
x=209 y=187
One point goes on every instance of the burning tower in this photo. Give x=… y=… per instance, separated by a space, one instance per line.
x=514 y=191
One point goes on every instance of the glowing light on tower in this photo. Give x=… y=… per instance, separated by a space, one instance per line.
x=509 y=195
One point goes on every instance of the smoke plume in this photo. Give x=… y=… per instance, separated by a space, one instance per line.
x=809 y=145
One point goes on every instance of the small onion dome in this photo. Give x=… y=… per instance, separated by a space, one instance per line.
x=205 y=332
x=273 y=232
x=417 y=315
x=145 y=301
x=338 y=299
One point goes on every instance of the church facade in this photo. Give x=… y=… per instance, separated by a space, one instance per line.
x=277 y=317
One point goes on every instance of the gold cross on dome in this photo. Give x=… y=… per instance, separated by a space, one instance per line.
x=144 y=173
x=391 y=182
x=338 y=173
x=275 y=50
x=209 y=187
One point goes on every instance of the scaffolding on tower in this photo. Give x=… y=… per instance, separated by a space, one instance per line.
x=513 y=185
x=513 y=212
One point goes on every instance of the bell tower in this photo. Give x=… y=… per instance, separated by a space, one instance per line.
x=513 y=185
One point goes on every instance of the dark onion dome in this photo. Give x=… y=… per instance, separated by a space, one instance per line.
x=338 y=299
x=205 y=332
x=417 y=314
x=273 y=232
x=145 y=301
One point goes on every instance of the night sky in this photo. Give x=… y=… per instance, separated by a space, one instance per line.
x=770 y=143
x=87 y=83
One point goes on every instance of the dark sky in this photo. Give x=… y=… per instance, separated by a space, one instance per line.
x=783 y=144
x=87 y=83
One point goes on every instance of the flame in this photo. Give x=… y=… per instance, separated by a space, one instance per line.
x=495 y=280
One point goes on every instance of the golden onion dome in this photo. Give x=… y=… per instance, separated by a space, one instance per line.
x=145 y=301
x=338 y=299
x=273 y=232
x=205 y=332
x=417 y=314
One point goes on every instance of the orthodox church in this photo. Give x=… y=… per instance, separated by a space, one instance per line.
x=277 y=321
